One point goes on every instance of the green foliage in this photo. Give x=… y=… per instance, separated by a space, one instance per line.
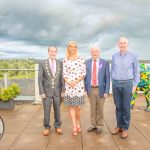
x=17 y=64
x=9 y=93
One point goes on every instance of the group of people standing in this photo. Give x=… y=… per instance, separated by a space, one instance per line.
x=76 y=77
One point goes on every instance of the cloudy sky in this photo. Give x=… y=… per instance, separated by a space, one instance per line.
x=27 y=27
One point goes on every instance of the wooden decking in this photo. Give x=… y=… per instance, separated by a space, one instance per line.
x=23 y=130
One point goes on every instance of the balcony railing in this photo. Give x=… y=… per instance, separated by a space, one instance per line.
x=28 y=84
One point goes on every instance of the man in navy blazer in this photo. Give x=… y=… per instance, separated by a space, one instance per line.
x=97 y=85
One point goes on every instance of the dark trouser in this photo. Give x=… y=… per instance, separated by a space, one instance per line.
x=47 y=109
x=122 y=93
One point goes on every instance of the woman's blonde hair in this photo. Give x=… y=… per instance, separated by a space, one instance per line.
x=67 y=51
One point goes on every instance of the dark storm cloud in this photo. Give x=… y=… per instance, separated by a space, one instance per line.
x=30 y=26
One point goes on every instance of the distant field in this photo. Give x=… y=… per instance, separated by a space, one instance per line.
x=26 y=64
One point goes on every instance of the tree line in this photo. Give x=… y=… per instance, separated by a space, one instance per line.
x=17 y=64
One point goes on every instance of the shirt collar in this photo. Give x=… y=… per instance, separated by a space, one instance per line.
x=124 y=53
x=50 y=60
x=96 y=59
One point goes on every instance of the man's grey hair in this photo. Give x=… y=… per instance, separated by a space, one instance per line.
x=123 y=38
x=51 y=47
x=95 y=47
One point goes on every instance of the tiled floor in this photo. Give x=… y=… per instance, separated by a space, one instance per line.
x=23 y=130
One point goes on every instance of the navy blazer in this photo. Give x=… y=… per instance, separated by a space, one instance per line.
x=103 y=77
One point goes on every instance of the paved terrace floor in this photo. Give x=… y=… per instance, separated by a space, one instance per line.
x=23 y=130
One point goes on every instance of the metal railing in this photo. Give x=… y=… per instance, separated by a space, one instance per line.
x=29 y=86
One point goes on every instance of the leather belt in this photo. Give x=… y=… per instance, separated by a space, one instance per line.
x=94 y=86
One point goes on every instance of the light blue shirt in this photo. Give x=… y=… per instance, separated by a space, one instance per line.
x=125 y=67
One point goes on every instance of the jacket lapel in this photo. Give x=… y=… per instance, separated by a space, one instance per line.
x=90 y=67
x=100 y=66
x=57 y=68
x=50 y=68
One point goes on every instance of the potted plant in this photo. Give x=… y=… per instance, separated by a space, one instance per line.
x=7 y=96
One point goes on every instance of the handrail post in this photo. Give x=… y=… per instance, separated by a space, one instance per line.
x=37 y=99
x=5 y=80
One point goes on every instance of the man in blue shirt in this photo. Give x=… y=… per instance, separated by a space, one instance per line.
x=125 y=77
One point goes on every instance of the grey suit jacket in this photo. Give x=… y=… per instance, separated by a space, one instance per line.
x=49 y=84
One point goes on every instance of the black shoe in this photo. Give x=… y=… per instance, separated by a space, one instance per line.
x=90 y=129
x=99 y=130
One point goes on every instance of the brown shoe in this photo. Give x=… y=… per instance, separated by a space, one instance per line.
x=59 y=130
x=46 y=132
x=116 y=131
x=124 y=134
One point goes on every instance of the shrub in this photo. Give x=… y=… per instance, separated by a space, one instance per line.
x=9 y=93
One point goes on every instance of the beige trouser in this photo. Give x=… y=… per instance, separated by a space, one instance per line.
x=96 y=106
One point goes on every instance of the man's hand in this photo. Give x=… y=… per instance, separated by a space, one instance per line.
x=85 y=93
x=62 y=94
x=43 y=95
x=133 y=89
x=105 y=95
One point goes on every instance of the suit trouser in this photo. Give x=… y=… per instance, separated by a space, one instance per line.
x=47 y=102
x=96 y=107
x=122 y=93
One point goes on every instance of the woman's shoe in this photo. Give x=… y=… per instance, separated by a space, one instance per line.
x=79 y=129
x=74 y=131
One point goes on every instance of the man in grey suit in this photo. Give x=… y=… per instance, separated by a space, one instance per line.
x=50 y=88
x=97 y=84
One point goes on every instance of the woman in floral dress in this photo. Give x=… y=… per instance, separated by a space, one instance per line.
x=73 y=73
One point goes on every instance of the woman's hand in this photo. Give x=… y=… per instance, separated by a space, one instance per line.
x=72 y=83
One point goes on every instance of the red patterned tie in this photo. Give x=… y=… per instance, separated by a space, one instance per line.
x=94 y=78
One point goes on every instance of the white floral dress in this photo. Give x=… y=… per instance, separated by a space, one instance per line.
x=73 y=69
